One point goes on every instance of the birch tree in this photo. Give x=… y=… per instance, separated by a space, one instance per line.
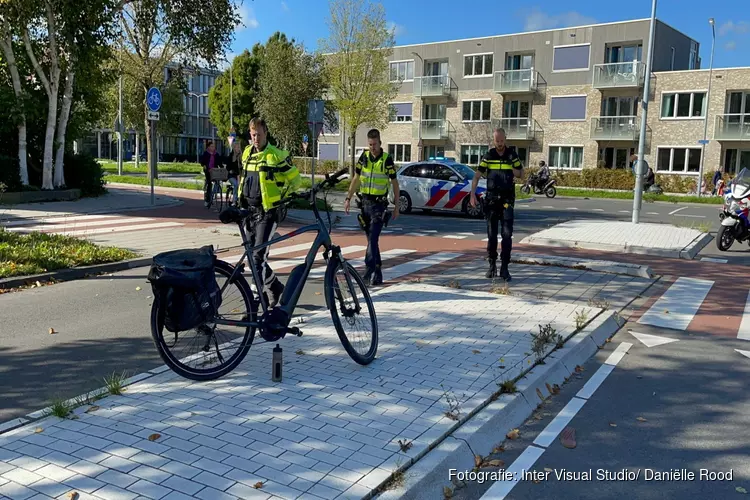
x=358 y=47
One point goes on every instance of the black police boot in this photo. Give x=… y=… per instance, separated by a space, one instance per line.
x=504 y=274
x=273 y=298
x=368 y=275
x=377 y=277
x=492 y=271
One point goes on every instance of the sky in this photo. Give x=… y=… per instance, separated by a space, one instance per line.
x=420 y=21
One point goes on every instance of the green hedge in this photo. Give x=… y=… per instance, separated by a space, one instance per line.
x=81 y=172
x=304 y=164
x=9 y=173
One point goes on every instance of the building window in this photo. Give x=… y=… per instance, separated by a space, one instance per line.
x=693 y=64
x=476 y=111
x=402 y=71
x=571 y=58
x=434 y=151
x=566 y=157
x=678 y=160
x=471 y=154
x=400 y=112
x=328 y=151
x=331 y=129
x=478 y=65
x=401 y=153
x=568 y=108
x=683 y=105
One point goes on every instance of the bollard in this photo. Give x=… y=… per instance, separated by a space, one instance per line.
x=276 y=364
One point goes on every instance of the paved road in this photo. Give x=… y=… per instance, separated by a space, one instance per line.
x=692 y=396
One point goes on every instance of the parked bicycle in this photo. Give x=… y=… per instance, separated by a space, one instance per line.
x=188 y=299
x=216 y=198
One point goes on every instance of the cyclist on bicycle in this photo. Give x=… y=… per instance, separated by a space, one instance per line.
x=234 y=166
x=209 y=160
x=267 y=176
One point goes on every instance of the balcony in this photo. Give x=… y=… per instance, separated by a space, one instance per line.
x=615 y=128
x=733 y=127
x=619 y=75
x=515 y=81
x=518 y=129
x=432 y=86
x=433 y=129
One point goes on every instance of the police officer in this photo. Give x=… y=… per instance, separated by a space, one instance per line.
x=374 y=169
x=267 y=176
x=500 y=164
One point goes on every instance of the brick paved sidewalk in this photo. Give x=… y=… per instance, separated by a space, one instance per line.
x=329 y=430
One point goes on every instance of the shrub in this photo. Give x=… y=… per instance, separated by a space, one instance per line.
x=85 y=173
x=9 y=173
x=304 y=164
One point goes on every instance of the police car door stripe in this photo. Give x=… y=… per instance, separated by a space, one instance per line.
x=437 y=192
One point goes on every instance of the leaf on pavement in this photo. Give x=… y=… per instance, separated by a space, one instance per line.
x=568 y=438
x=612 y=424
x=641 y=419
x=498 y=449
x=92 y=409
x=154 y=437
x=555 y=389
x=52 y=331
x=73 y=495
x=447 y=492
x=579 y=369
x=740 y=489
x=137 y=289
x=317 y=293
x=513 y=434
x=474 y=351
x=496 y=463
x=258 y=485
x=38 y=430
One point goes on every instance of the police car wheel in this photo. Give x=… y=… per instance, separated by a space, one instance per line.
x=404 y=202
x=473 y=212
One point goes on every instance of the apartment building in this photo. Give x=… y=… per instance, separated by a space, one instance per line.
x=567 y=96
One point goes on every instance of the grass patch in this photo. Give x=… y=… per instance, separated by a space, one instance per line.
x=60 y=408
x=34 y=253
x=144 y=181
x=703 y=227
x=628 y=195
x=115 y=383
x=342 y=185
x=166 y=168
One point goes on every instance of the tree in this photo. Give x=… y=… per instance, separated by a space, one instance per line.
x=289 y=78
x=358 y=48
x=179 y=32
x=244 y=91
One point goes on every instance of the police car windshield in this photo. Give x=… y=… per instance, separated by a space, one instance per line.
x=464 y=170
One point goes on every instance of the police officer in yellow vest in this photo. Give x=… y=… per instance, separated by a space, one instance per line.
x=374 y=170
x=267 y=176
x=501 y=165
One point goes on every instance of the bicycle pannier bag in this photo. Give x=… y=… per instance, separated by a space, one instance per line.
x=184 y=283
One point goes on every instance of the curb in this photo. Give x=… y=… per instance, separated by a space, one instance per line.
x=604 y=266
x=605 y=247
x=695 y=246
x=477 y=436
x=75 y=273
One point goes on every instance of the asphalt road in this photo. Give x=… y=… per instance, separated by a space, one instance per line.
x=692 y=395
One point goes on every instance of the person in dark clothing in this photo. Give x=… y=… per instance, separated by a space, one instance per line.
x=501 y=165
x=209 y=160
x=716 y=179
x=234 y=165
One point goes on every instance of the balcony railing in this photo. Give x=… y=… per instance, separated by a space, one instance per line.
x=515 y=81
x=615 y=128
x=518 y=129
x=436 y=128
x=732 y=127
x=432 y=86
x=619 y=75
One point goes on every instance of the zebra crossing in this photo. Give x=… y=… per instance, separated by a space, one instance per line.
x=87 y=225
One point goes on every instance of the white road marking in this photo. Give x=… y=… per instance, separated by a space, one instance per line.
x=694 y=216
x=711 y=259
x=486 y=239
x=548 y=206
x=652 y=213
x=413 y=266
x=61 y=228
x=677 y=307
x=319 y=272
x=415 y=234
x=744 y=353
x=744 y=332
x=283 y=264
x=624 y=211
x=54 y=220
x=119 y=229
x=572 y=208
x=500 y=489
x=675 y=211
x=652 y=340
x=455 y=236
x=597 y=210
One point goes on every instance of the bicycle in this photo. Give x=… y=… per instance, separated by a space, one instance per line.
x=273 y=324
x=217 y=176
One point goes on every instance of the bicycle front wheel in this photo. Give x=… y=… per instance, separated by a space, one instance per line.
x=351 y=307
x=209 y=351
x=218 y=198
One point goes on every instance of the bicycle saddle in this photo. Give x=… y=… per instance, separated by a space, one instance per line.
x=233 y=214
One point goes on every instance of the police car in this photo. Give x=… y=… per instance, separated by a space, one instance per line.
x=438 y=184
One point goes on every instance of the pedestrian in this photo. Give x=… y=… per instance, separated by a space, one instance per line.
x=374 y=170
x=267 y=177
x=501 y=166
x=209 y=160
x=716 y=179
x=234 y=166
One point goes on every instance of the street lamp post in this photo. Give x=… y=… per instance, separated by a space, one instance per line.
x=231 y=98
x=419 y=144
x=197 y=125
x=708 y=103
x=638 y=194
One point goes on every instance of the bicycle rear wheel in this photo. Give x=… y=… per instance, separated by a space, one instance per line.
x=350 y=304
x=218 y=199
x=209 y=351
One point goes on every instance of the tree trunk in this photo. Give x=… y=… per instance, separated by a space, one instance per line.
x=149 y=150
x=137 y=150
x=354 y=143
x=6 y=45
x=62 y=125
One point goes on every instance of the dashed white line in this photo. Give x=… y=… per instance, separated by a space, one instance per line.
x=624 y=211
x=571 y=208
x=548 y=206
x=744 y=332
x=455 y=236
x=711 y=259
x=652 y=213
x=597 y=210
x=695 y=216
x=675 y=211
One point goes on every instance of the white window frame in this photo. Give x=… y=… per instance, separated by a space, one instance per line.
x=671 y=160
x=473 y=145
x=566 y=119
x=481 y=108
x=692 y=93
x=411 y=116
x=483 y=75
x=391 y=63
x=569 y=146
x=396 y=158
x=577 y=70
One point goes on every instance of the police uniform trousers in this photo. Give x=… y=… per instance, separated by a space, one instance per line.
x=373 y=213
x=261 y=226
x=498 y=211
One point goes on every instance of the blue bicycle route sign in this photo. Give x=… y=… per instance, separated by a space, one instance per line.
x=153 y=99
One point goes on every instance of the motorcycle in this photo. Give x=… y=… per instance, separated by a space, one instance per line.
x=735 y=226
x=548 y=188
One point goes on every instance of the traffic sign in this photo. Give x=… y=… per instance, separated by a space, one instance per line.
x=315 y=109
x=703 y=142
x=153 y=99
x=315 y=128
x=153 y=116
